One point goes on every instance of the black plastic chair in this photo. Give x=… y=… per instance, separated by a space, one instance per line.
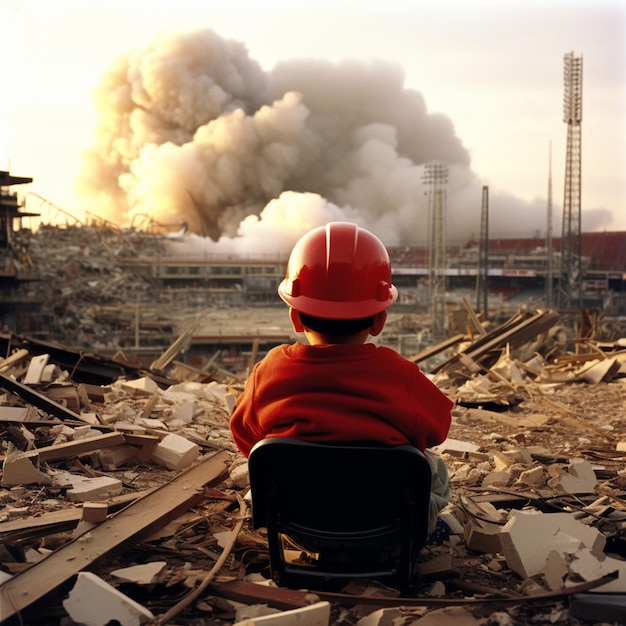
x=339 y=512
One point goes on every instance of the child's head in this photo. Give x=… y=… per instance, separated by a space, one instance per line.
x=338 y=283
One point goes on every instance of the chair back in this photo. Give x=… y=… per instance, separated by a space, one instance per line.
x=337 y=512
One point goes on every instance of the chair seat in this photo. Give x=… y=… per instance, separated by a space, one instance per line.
x=336 y=512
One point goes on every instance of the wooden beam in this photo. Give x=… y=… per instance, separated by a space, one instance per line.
x=123 y=529
x=437 y=348
x=38 y=399
x=57 y=521
x=76 y=448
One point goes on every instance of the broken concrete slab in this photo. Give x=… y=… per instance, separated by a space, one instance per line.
x=18 y=469
x=528 y=537
x=590 y=566
x=116 y=456
x=99 y=488
x=579 y=478
x=140 y=574
x=484 y=537
x=93 y=602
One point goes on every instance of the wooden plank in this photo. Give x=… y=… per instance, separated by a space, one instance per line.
x=75 y=448
x=10 y=361
x=37 y=399
x=473 y=318
x=64 y=519
x=123 y=529
x=515 y=332
x=436 y=349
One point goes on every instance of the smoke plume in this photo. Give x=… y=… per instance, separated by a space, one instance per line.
x=193 y=131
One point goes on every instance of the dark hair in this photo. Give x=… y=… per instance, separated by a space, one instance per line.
x=335 y=328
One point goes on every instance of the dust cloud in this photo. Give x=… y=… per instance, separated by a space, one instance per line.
x=194 y=133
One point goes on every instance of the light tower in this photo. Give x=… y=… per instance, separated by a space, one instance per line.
x=549 y=250
x=570 y=279
x=483 y=256
x=436 y=177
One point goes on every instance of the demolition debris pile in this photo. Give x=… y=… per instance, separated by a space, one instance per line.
x=128 y=493
x=84 y=295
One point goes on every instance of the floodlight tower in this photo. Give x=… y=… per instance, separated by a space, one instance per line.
x=436 y=177
x=570 y=279
x=549 y=250
x=483 y=256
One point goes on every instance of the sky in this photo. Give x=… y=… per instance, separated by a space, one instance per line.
x=340 y=106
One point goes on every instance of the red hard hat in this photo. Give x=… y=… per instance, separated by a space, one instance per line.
x=338 y=271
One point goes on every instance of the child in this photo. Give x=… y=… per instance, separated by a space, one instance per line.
x=338 y=387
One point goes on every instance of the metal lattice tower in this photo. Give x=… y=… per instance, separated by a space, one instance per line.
x=549 y=246
x=483 y=255
x=570 y=287
x=436 y=178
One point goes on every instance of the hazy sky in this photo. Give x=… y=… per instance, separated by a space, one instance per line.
x=494 y=68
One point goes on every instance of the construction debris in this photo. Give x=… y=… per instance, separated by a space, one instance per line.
x=121 y=487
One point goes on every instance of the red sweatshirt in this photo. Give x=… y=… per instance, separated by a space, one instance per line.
x=340 y=393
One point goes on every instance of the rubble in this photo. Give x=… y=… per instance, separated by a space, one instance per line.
x=94 y=602
x=130 y=491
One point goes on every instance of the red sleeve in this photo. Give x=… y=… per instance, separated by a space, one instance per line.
x=434 y=409
x=243 y=424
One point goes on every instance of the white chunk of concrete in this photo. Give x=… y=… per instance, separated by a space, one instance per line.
x=501 y=477
x=481 y=536
x=99 y=488
x=240 y=475
x=455 y=445
x=115 y=456
x=141 y=386
x=140 y=574
x=579 y=478
x=183 y=412
x=531 y=477
x=35 y=369
x=18 y=469
x=590 y=566
x=381 y=617
x=93 y=602
x=528 y=537
x=151 y=423
x=175 y=452
x=556 y=570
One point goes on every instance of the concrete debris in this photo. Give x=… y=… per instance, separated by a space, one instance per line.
x=99 y=488
x=140 y=574
x=93 y=602
x=175 y=452
x=528 y=537
x=536 y=454
x=578 y=477
x=17 y=469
